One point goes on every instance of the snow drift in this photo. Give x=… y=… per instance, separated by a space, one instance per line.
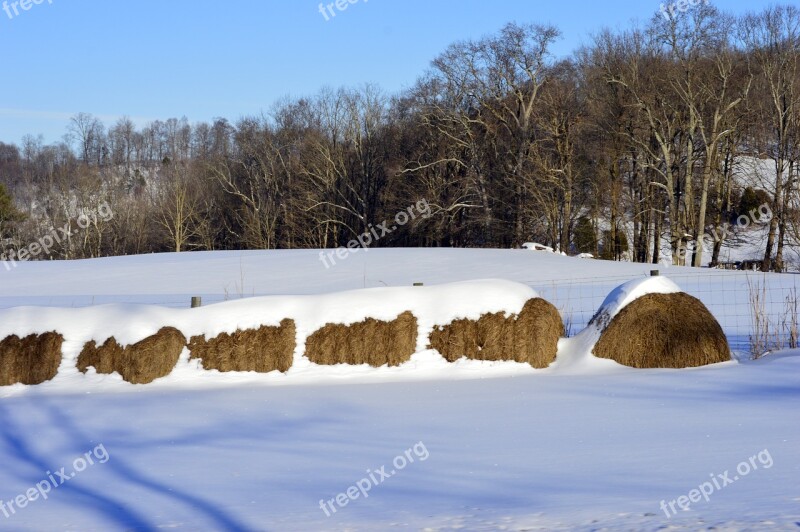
x=381 y=326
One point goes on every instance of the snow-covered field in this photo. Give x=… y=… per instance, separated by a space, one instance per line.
x=469 y=446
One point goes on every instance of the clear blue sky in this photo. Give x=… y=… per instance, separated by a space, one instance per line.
x=156 y=59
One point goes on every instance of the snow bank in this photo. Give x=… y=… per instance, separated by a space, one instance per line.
x=128 y=324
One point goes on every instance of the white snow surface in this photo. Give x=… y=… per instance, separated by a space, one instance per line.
x=583 y=445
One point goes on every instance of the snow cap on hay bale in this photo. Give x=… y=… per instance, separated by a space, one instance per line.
x=261 y=350
x=140 y=363
x=651 y=323
x=33 y=359
x=531 y=336
x=374 y=342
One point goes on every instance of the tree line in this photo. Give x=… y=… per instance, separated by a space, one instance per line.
x=633 y=145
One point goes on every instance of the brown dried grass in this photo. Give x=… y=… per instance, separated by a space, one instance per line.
x=140 y=363
x=374 y=342
x=31 y=360
x=664 y=331
x=529 y=337
x=261 y=350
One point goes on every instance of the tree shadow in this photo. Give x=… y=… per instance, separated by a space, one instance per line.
x=22 y=447
x=23 y=450
x=127 y=473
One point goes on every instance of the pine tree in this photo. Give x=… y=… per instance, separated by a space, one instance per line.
x=8 y=212
x=584 y=236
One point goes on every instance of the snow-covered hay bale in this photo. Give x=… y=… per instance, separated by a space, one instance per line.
x=33 y=359
x=374 y=342
x=529 y=337
x=261 y=350
x=653 y=324
x=294 y=334
x=139 y=363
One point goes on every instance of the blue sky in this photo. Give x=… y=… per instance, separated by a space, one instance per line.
x=156 y=59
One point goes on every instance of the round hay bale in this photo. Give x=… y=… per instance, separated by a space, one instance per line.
x=663 y=331
x=374 y=342
x=140 y=363
x=529 y=337
x=30 y=360
x=260 y=350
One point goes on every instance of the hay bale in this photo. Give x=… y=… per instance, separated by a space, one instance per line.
x=532 y=336
x=261 y=350
x=30 y=360
x=371 y=341
x=140 y=363
x=662 y=331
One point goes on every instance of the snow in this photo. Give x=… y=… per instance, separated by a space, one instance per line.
x=432 y=305
x=534 y=246
x=583 y=445
x=756 y=172
x=128 y=324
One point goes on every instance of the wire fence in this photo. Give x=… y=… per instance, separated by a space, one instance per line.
x=181 y=300
x=757 y=311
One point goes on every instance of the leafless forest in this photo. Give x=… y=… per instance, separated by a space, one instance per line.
x=627 y=147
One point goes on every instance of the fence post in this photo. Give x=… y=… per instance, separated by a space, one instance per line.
x=197 y=301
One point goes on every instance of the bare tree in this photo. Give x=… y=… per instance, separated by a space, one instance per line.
x=88 y=132
x=773 y=41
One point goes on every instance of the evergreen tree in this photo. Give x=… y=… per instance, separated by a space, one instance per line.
x=8 y=212
x=585 y=236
